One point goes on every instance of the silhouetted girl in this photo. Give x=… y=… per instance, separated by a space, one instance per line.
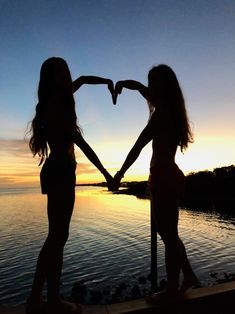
x=54 y=129
x=167 y=128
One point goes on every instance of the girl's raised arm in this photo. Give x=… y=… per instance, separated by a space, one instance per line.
x=134 y=85
x=92 y=80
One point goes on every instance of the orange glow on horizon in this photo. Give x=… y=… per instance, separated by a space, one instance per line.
x=19 y=168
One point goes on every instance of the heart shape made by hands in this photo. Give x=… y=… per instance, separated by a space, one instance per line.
x=114 y=183
x=115 y=91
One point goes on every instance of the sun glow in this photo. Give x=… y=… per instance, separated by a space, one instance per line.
x=19 y=168
x=207 y=153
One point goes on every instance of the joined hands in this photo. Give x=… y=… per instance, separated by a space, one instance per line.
x=115 y=91
x=113 y=183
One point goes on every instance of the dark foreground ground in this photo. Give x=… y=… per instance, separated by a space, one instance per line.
x=217 y=299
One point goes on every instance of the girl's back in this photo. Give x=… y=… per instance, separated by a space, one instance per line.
x=58 y=130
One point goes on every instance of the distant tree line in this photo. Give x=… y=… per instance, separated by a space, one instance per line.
x=215 y=187
x=206 y=188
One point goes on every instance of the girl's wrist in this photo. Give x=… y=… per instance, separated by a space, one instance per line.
x=120 y=174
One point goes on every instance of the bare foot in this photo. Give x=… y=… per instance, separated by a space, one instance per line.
x=63 y=307
x=188 y=283
x=35 y=305
x=163 y=297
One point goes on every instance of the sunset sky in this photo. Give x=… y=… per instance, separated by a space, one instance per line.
x=118 y=39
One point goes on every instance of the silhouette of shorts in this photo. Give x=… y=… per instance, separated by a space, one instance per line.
x=58 y=172
x=166 y=180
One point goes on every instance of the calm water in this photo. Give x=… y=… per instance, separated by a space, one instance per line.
x=109 y=241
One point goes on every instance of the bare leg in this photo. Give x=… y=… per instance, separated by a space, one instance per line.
x=190 y=279
x=167 y=227
x=49 y=266
x=166 y=216
x=40 y=276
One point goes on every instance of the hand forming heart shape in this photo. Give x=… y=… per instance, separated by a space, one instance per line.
x=115 y=91
x=114 y=183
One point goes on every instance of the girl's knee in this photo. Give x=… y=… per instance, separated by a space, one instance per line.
x=58 y=239
x=168 y=237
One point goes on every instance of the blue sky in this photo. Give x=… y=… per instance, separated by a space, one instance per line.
x=119 y=40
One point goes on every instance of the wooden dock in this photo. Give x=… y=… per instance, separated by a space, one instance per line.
x=217 y=299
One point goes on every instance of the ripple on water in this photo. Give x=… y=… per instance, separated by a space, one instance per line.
x=109 y=242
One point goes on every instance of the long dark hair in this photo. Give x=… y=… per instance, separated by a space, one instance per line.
x=55 y=80
x=166 y=90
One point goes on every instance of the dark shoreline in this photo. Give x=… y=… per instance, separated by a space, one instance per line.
x=208 y=190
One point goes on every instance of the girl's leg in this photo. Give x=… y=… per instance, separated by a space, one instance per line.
x=57 y=207
x=190 y=279
x=166 y=216
x=60 y=208
x=40 y=276
x=49 y=266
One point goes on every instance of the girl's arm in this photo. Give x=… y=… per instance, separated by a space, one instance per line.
x=134 y=85
x=144 y=138
x=92 y=80
x=91 y=155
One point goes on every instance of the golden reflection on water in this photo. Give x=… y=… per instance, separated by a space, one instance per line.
x=107 y=202
x=22 y=211
x=109 y=238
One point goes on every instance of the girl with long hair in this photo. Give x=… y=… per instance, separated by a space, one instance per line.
x=167 y=128
x=54 y=131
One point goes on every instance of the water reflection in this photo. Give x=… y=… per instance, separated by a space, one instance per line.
x=109 y=240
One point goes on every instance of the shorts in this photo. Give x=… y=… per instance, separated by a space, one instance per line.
x=166 y=181
x=58 y=172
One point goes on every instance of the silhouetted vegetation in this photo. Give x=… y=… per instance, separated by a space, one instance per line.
x=104 y=184
x=131 y=289
x=207 y=189
x=124 y=291
x=211 y=188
